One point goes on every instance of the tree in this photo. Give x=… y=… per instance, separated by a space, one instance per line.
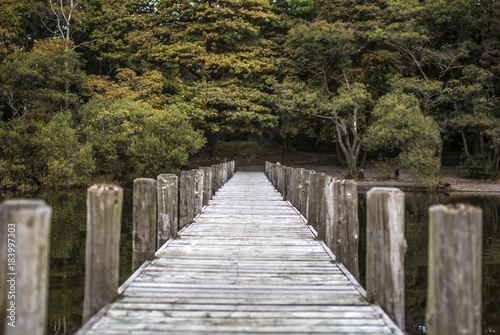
x=222 y=50
x=320 y=53
x=131 y=138
x=400 y=127
x=43 y=80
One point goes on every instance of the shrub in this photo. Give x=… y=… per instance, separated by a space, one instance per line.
x=478 y=166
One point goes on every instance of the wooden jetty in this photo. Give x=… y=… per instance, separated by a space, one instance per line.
x=248 y=264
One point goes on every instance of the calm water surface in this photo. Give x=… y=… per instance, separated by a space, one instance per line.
x=67 y=269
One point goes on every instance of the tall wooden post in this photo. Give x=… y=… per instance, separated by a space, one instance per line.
x=198 y=191
x=24 y=266
x=168 y=208
x=287 y=187
x=348 y=231
x=215 y=172
x=304 y=203
x=281 y=179
x=454 y=295
x=326 y=221
x=207 y=185
x=144 y=213
x=316 y=199
x=297 y=185
x=187 y=198
x=385 y=249
x=104 y=216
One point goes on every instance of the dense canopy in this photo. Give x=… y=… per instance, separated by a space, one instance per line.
x=124 y=88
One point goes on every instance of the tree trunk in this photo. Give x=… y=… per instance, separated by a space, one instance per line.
x=464 y=139
x=213 y=139
x=340 y=158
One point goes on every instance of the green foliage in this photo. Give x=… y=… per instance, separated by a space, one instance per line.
x=400 y=127
x=41 y=81
x=478 y=166
x=131 y=138
x=67 y=160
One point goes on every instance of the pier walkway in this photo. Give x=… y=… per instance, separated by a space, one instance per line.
x=249 y=264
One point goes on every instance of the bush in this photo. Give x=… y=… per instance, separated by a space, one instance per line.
x=478 y=166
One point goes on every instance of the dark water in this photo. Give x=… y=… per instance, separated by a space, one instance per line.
x=416 y=228
x=68 y=256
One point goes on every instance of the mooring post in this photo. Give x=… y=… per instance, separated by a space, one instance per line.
x=385 y=249
x=287 y=187
x=316 y=199
x=144 y=220
x=198 y=191
x=24 y=266
x=168 y=208
x=304 y=205
x=454 y=291
x=186 y=198
x=207 y=184
x=326 y=220
x=104 y=216
x=351 y=226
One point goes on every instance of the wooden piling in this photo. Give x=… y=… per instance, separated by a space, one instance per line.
x=144 y=221
x=24 y=266
x=454 y=295
x=304 y=203
x=349 y=229
x=288 y=184
x=316 y=199
x=214 y=182
x=198 y=191
x=168 y=208
x=186 y=198
x=207 y=185
x=104 y=213
x=385 y=249
x=297 y=186
x=326 y=220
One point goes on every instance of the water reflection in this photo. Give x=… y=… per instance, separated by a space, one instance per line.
x=67 y=255
x=416 y=227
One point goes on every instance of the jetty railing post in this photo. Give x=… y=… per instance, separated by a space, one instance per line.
x=304 y=207
x=281 y=179
x=104 y=213
x=288 y=184
x=385 y=249
x=24 y=266
x=144 y=220
x=198 y=191
x=186 y=198
x=207 y=184
x=168 y=208
x=350 y=202
x=326 y=221
x=454 y=295
x=316 y=198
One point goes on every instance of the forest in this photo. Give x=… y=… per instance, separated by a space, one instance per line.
x=107 y=90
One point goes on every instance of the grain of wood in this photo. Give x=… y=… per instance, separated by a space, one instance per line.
x=104 y=213
x=24 y=239
x=455 y=270
x=144 y=210
x=385 y=249
x=249 y=264
x=168 y=208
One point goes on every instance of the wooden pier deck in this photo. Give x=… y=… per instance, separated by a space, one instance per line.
x=249 y=264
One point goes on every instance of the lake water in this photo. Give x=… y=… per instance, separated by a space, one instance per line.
x=67 y=269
